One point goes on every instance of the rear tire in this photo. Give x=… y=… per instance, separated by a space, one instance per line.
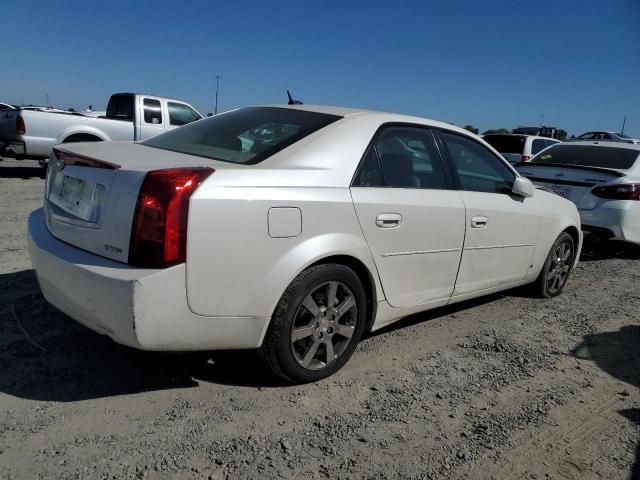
x=317 y=324
x=557 y=267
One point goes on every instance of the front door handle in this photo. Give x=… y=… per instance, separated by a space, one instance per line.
x=479 y=222
x=388 y=220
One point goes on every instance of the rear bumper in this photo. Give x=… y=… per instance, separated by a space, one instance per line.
x=618 y=219
x=12 y=149
x=141 y=308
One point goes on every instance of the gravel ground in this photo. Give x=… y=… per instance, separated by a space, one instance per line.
x=507 y=386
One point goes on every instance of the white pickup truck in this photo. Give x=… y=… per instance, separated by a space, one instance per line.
x=27 y=133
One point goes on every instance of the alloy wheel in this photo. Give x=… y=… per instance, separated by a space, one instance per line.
x=559 y=267
x=323 y=325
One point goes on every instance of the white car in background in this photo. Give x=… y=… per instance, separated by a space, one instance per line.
x=518 y=148
x=290 y=229
x=606 y=136
x=601 y=178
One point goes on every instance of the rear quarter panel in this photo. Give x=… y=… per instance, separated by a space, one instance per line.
x=235 y=268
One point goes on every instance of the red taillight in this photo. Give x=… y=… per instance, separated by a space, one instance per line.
x=525 y=158
x=21 y=128
x=70 y=158
x=622 y=191
x=159 y=230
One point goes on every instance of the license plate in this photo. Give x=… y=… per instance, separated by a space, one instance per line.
x=562 y=191
x=73 y=195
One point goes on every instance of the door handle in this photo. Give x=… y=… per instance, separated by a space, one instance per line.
x=388 y=220
x=479 y=222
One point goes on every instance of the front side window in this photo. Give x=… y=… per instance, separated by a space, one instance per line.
x=246 y=135
x=152 y=111
x=478 y=169
x=181 y=114
x=402 y=157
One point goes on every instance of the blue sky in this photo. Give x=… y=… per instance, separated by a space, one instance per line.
x=491 y=63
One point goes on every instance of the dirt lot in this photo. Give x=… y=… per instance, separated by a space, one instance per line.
x=504 y=387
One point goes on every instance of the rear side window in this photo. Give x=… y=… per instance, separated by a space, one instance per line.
x=506 y=143
x=402 y=157
x=537 y=146
x=181 y=114
x=478 y=169
x=589 y=156
x=120 y=107
x=409 y=159
x=245 y=136
x=152 y=111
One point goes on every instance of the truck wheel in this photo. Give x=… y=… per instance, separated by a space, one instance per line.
x=81 y=137
x=316 y=325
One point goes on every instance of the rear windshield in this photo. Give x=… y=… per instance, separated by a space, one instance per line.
x=589 y=156
x=506 y=143
x=246 y=136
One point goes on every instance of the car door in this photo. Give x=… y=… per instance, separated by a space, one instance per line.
x=152 y=118
x=412 y=221
x=501 y=228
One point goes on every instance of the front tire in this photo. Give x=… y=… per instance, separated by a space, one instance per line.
x=557 y=267
x=317 y=324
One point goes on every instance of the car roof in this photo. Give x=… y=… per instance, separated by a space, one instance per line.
x=392 y=117
x=601 y=143
x=524 y=135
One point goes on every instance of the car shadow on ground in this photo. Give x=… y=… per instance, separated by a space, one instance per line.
x=45 y=355
x=439 y=312
x=618 y=354
x=26 y=172
x=605 y=250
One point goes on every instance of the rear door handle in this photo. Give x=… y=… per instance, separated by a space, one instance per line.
x=388 y=220
x=479 y=222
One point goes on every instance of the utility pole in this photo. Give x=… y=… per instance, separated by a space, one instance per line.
x=218 y=77
x=624 y=121
x=47 y=104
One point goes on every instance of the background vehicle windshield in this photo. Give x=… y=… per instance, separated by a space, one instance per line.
x=247 y=135
x=506 y=143
x=589 y=156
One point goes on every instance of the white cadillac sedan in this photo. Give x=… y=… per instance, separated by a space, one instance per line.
x=601 y=178
x=289 y=229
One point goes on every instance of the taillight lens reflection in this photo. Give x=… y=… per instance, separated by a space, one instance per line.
x=159 y=230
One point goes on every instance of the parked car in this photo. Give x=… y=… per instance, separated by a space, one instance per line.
x=32 y=132
x=601 y=178
x=518 y=148
x=290 y=229
x=606 y=136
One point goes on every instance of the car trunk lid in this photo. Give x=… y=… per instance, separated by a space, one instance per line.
x=92 y=191
x=572 y=182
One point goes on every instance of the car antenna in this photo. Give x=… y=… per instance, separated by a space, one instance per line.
x=292 y=101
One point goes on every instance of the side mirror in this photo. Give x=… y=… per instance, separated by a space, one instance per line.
x=522 y=186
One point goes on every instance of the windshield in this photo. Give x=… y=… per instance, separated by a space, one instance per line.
x=245 y=136
x=506 y=143
x=589 y=156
